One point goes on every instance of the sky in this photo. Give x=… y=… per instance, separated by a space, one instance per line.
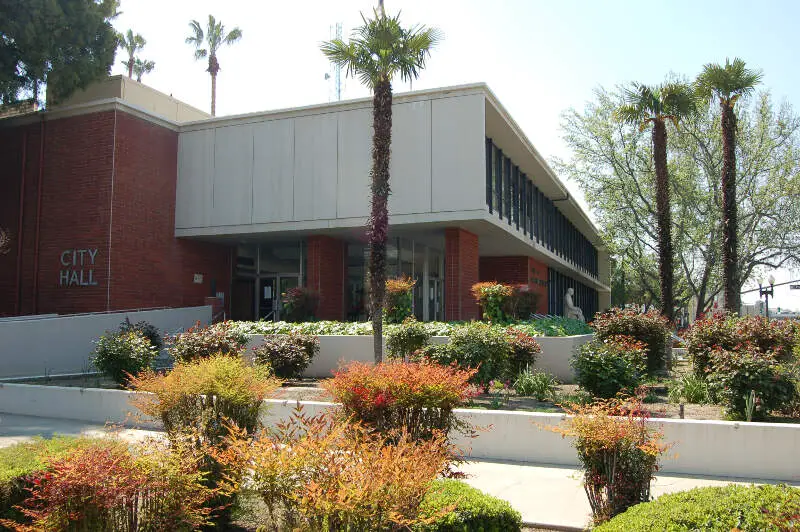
x=540 y=58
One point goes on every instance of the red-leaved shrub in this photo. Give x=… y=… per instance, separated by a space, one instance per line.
x=203 y=342
x=650 y=328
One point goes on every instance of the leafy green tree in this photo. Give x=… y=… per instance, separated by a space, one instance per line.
x=378 y=51
x=643 y=106
x=142 y=67
x=60 y=45
x=613 y=163
x=131 y=44
x=207 y=45
x=727 y=84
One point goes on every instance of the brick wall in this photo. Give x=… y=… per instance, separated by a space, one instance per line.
x=325 y=274
x=10 y=171
x=518 y=270
x=461 y=272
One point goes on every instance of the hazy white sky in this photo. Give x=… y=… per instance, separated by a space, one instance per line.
x=539 y=57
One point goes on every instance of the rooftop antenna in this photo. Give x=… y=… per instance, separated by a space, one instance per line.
x=337 y=69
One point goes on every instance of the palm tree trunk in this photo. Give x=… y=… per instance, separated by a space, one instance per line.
x=729 y=209
x=379 y=215
x=213 y=94
x=130 y=66
x=664 y=223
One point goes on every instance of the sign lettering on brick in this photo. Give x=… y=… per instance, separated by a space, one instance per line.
x=77 y=267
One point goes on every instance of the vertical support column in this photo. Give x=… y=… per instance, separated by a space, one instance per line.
x=461 y=272
x=325 y=275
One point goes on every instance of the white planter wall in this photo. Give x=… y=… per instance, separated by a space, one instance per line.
x=335 y=350
x=62 y=344
x=765 y=451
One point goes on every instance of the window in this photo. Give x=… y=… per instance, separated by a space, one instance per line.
x=507 y=188
x=489 y=180
x=498 y=180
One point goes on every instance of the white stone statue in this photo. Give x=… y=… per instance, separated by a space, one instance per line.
x=570 y=310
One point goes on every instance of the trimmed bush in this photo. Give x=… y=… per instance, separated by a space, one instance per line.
x=650 y=328
x=539 y=385
x=403 y=341
x=399 y=299
x=299 y=304
x=716 y=509
x=734 y=375
x=476 y=346
x=607 y=367
x=203 y=342
x=417 y=397
x=474 y=511
x=523 y=350
x=288 y=355
x=149 y=331
x=122 y=354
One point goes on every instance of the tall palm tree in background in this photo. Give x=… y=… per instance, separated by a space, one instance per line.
x=142 y=67
x=379 y=50
x=727 y=84
x=644 y=105
x=207 y=45
x=132 y=44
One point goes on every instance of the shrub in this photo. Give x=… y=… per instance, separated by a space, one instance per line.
x=539 y=385
x=147 y=329
x=715 y=509
x=102 y=485
x=493 y=298
x=618 y=453
x=418 y=397
x=403 y=341
x=121 y=354
x=607 y=367
x=689 y=388
x=314 y=474
x=776 y=338
x=476 y=346
x=20 y=462
x=472 y=510
x=202 y=342
x=650 y=328
x=523 y=350
x=735 y=374
x=288 y=355
x=399 y=299
x=522 y=302
x=299 y=304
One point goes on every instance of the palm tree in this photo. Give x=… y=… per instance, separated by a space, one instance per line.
x=379 y=50
x=207 y=45
x=728 y=83
x=141 y=67
x=132 y=44
x=642 y=106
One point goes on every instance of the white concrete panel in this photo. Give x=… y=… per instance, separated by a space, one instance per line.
x=233 y=175
x=273 y=171
x=315 y=167
x=457 y=145
x=195 y=167
x=411 y=158
x=355 y=161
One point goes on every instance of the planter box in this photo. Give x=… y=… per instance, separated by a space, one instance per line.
x=335 y=350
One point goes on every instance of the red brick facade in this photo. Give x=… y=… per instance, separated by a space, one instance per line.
x=521 y=270
x=103 y=237
x=325 y=275
x=461 y=272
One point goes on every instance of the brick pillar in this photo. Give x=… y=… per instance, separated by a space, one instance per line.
x=461 y=272
x=325 y=275
x=537 y=281
x=520 y=270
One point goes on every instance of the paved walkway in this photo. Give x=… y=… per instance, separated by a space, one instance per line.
x=547 y=496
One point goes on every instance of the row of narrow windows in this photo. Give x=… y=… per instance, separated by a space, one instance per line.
x=584 y=296
x=514 y=197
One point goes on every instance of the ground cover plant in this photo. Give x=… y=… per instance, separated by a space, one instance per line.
x=288 y=355
x=122 y=354
x=715 y=509
x=609 y=366
x=650 y=328
x=202 y=342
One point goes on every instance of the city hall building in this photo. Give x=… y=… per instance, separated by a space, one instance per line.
x=125 y=198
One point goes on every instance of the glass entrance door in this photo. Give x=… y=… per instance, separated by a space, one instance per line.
x=270 y=292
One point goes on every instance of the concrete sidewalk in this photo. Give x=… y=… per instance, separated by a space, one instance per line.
x=547 y=496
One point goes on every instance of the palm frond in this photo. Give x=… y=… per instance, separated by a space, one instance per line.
x=197 y=37
x=727 y=82
x=234 y=36
x=200 y=53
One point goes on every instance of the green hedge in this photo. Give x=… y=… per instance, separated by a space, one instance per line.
x=21 y=460
x=541 y=327
x=475 y=511
x=748 y=508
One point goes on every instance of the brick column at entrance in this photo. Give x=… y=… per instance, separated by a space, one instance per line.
x=461 y=272
x=325 y=274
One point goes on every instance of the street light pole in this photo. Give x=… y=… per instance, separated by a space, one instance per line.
x=767 y=292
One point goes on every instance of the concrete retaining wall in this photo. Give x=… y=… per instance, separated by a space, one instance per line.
x=62 y=344
x=335 y=350
x=714 y=448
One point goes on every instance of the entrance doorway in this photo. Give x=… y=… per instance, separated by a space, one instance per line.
x=270 y=289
